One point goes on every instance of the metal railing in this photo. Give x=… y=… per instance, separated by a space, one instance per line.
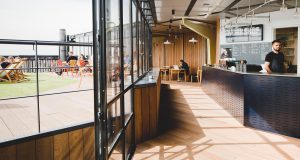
x=40 y=63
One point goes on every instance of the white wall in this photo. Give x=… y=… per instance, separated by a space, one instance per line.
x=278 y=20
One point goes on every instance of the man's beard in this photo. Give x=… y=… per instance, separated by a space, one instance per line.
x=277 y=50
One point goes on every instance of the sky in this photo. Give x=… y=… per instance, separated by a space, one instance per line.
x=41 y=20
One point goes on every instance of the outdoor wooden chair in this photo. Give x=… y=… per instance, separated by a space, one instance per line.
x=7 y=73
x=73 y=66
x=17 y=72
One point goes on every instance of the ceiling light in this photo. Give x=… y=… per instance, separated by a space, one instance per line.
x=296 y=14
x=193 y=40
x=283 y=7
x=167 y=42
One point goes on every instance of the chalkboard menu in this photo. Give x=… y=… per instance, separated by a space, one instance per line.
x=254 y=53
x=244 y=33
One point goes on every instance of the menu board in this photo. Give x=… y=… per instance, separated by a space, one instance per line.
x=244 y=33
x=254 y=53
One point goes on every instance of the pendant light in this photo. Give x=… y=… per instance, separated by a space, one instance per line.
x=283 y=7
x=296 y=14
x=193 y=40
x=167 y=42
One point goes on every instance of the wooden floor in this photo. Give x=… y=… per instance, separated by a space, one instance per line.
x=195 y=127
x=18 y=117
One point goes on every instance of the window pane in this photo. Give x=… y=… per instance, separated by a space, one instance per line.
x=135 y=52
x=128 y=138
x=113 y=60
x=114 y=122
x=141 y=46
x=127 y=105
x=146 y=48
x=117 y=153
x=127 y=43
x=18 y=118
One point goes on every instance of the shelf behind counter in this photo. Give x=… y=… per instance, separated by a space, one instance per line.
x=268 y=102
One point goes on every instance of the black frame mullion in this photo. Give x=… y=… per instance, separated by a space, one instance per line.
x=103 y=85
x=122 y=136
x=100 y=82
x=96 y=80
x=137 y=37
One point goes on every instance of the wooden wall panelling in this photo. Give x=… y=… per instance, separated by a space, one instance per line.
x=138 y=114
x=193 y=54
x=61 y=147
x=169 y=54
x=145 y=113
x=76 y=145
x=89 y=143
x=153 y=117
x=26 y=150
x=44 y=148
x=8 y=153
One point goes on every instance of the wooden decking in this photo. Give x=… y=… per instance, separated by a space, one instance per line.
x=18 y=117
x=194 y=127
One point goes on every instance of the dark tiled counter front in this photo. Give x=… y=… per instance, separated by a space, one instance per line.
x=263 y=101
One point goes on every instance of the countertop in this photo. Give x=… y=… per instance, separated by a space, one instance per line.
x=149 y=80
x=259 y=73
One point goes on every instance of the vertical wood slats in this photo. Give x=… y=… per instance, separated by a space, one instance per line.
x=138 y=113
x=146 y=106
x=168 y=55
x=78 y=144
x=44 y=148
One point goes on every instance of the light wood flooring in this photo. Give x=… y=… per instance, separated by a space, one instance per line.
x=195 y=127
x=19 y=117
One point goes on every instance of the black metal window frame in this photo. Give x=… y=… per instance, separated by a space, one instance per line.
x=103 y=151
x=37 y=68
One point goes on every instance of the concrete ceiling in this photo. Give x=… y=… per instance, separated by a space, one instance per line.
x=214 y=8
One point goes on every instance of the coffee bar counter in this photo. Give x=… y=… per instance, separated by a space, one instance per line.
x=269 y=102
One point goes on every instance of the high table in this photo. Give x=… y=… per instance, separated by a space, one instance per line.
x=268 y=102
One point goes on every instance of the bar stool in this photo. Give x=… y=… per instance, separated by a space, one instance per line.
x=164 y=72
x=199 y=75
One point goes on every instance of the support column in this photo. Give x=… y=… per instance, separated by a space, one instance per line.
x=62 y=49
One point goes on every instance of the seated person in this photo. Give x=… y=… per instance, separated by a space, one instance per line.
x=71 y=57
x=11 y=59
x=81 y=61
x=184 y=66
x=3 y=62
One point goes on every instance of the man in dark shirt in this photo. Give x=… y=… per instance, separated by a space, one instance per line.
x=185 y=66
x=71 y=57
x=275 y=59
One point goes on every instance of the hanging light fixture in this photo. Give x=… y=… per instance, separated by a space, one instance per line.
x=283 y=7
x=167 y=42
x=193 y=40
x=296 y=14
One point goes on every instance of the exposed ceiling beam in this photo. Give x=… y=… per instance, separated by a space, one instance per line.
x=202 y=21
x=231 y=5
x=153 y=10
x=252 y=6
x=168 y=21
x=230 y=13
x=280 y=3
x=190 y=7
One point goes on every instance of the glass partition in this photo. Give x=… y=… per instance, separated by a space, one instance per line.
x=127 y=43
x=134 y=41
x=113 y=55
